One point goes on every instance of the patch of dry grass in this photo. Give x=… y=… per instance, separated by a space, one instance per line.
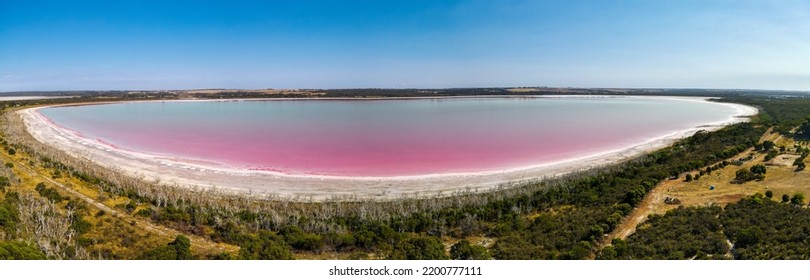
x=781 y=178
x=114 y=234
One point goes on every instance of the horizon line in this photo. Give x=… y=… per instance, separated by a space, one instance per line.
x=413 y=88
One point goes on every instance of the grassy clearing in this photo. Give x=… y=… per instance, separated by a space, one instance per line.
x=781 y=178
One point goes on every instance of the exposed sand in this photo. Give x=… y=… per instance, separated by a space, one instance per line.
x=184 y=173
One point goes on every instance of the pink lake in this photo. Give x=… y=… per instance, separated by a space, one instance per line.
x=386 y=137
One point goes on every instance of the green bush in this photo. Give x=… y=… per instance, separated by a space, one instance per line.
x=419 y=248
x=265 y=245
x=49 y=193
x=17 y=250
x=179 y=249
x=300 y=240
x=463 y=250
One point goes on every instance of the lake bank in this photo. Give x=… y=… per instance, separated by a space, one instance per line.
x=174 y=171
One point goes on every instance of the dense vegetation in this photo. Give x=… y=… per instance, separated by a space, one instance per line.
x=784 y=113
x=757 y=227
x=179 y=249
x=684 y=233
x=761 y=228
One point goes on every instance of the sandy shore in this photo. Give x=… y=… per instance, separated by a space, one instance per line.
x=183 y=173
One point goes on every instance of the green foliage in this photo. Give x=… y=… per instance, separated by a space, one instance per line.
x=764 y=229
x=634 y=196
x=799 y=162
x=4 y=182
x=9 y=214
x=767 y=145
x=771 y=154
x=379 y=235
x=749 y=236
x=7 y=218
x=80 y=225
x=797 y=199
x=581 y=250
x=759 y=228
x=182 y=246
x=758 y=169
x=264 y=245
x=516 y=247
x=745 y=175
x=146 y=213
x=300 y=240
x=49 y=193
x=173 y=214
x=683 y=233
x=179 y=249
x=419 y=248
x=463 y=250
x=12 y=152
x=17 y=250
x=784 y=113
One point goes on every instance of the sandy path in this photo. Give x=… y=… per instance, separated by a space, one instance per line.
x=176 y=172
x=653 y=202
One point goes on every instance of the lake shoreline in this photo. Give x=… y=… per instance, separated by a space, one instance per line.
x=183 y=173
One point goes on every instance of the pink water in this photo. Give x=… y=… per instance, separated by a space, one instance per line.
x=384 y=137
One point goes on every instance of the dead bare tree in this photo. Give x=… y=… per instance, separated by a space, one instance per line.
x=42 y=223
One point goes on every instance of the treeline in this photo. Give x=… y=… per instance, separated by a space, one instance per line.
x=88 y=98
x=784 y=113
x=417 y=92
x=250 y=94
x=757 y=227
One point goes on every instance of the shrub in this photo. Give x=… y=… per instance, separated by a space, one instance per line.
x=463 y=250
x=419 y=248
x=18 y=250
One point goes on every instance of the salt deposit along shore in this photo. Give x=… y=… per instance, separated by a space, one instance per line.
x=186 y=173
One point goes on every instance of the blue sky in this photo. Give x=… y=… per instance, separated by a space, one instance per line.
x=72 y=45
